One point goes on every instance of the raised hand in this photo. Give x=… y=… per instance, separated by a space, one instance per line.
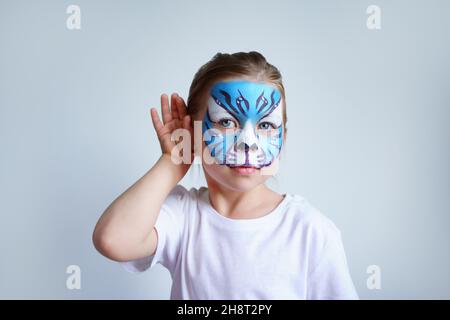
x=173 y=117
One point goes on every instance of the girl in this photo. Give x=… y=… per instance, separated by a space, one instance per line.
x=235 y=239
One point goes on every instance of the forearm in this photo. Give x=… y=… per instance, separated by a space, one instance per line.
x=126 y=224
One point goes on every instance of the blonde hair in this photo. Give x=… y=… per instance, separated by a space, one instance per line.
x=223 y=65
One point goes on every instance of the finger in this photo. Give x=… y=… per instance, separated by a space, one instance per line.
x=174 y=106
x=157 y=124
x=181 y=107
x=187 y=122
x=171 y=126
x=166 y=116
x=187 y=125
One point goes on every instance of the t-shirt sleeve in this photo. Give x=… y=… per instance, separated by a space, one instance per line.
x=329 y=278
x=169 y=227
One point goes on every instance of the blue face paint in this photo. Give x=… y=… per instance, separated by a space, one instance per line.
x=243 y=125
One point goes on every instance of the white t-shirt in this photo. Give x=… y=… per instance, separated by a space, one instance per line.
x=293 y=252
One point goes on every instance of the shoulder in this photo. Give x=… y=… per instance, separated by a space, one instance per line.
x=180 y=192
x=310 y=221
x=182 y=196
x=317 y=233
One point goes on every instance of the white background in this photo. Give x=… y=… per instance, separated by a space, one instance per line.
x=368 y=139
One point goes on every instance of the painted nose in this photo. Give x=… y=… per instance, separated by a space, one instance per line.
x=247 y=140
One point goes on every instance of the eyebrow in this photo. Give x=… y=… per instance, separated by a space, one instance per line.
x=228 y=101
x=224 y=110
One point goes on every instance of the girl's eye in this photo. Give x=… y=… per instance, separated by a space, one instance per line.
x=266 y=126
x=227 y=123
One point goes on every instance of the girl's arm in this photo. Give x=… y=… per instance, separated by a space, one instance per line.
x=126 y=230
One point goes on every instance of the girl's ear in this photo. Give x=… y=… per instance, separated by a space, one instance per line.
x=284 y=134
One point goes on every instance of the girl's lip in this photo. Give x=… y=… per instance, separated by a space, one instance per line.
x=245 y=169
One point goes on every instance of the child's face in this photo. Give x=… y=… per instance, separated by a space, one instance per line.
x=243 y=132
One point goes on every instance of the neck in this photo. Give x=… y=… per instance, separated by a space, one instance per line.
x=237 y=204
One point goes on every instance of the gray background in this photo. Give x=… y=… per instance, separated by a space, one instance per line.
x=368 y=140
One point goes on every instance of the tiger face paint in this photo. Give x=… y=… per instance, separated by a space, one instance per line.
x=243 y=124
